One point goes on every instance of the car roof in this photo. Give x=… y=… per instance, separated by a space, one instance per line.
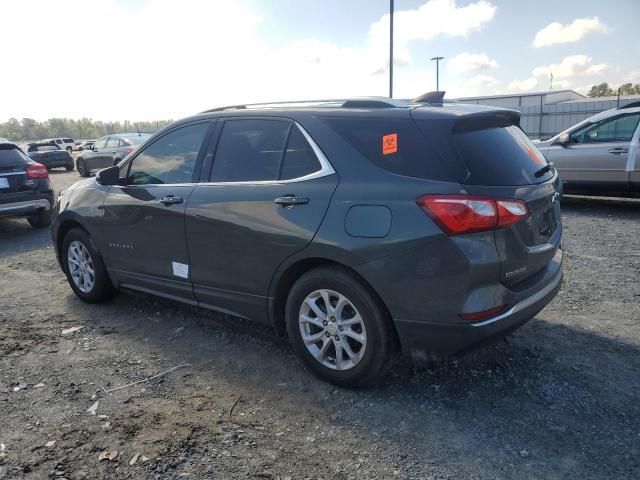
x=351 y=107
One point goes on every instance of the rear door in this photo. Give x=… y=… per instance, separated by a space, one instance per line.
x=142 y=224
x=499 y=161
x=597 y=155
x=268 y=190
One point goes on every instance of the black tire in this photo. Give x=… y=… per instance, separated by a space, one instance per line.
x=378 y=354
x=102 y=287
x=42 y=219
x=81 y=166
x=68 y=167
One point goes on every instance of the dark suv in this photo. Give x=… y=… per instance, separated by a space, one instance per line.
x=25 y=189
x=356 y=226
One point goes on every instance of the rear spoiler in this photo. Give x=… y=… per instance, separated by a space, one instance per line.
x=486 y=119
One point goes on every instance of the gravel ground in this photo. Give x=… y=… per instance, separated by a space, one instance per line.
x=560 y=398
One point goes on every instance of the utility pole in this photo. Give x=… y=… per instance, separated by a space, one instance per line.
x=551 y=81
x=390 y=48
x=437 y=59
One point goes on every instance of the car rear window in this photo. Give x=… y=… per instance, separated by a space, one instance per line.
x=500 y=156
x=43 y=148
x=10 y=155
x=136 y=140
x=396 y=145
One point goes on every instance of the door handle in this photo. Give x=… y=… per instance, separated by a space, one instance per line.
x=171 y=200
x=619 y=150
x=291 y=201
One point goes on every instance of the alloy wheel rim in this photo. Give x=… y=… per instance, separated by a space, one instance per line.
x=332 y=329
x=81 y=266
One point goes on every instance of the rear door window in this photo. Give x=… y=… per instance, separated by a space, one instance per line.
x=250 y=150
x=397 y=145
x=113 y=142
x=500 y=156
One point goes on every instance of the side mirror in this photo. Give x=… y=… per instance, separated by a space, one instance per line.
x=108 y=176
x=564 y=139
x=94 y=148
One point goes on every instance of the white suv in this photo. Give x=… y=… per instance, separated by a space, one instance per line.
x=63 y=143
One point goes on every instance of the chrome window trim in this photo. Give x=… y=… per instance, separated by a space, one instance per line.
x=325 y=170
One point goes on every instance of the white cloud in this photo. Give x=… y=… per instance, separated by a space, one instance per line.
x=572 y=32
x=466 y=62
x=522 y=85
x=167 y=59
x=571 y=66
x=433 y=18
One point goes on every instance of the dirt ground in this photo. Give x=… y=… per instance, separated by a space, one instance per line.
x=560 y=398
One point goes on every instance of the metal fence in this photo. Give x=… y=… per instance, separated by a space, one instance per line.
x=544 y=121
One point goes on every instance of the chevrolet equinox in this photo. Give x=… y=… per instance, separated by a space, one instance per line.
x=357 y=227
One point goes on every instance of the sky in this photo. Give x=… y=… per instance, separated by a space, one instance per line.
x=165 y=59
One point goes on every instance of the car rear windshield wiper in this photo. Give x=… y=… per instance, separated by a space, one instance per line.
x=543 y=170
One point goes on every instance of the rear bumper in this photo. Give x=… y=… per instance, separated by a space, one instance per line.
x=25 y=207
x=424 y=339
x=62 y=162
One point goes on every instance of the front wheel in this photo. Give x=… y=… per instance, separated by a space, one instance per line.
x=84 y=268
x=339 y=328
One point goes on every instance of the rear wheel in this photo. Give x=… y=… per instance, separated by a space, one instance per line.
x=42 y=219
x=339 y=328
x=81 y=166
x=84 y=268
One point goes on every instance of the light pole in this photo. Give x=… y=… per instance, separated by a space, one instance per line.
x=437 y=59
x=390 y=48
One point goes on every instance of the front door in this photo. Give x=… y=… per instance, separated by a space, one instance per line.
x=143 y=220
x=265 y=198
x=597 y=155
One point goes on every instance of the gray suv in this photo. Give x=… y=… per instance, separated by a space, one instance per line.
x=600 y=155
x=357 y=227
x=108 y=151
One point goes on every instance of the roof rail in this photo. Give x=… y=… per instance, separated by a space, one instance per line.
x=630 y=105
x=430 y=97
x=357 y=102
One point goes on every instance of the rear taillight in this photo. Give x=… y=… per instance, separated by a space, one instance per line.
x=460 y=214
x=36 y=170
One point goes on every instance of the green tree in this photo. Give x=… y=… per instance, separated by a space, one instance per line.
x=602 y=90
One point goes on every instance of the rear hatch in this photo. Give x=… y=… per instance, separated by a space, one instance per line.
x=13 y=164
x=46 y=155
x=492 y=157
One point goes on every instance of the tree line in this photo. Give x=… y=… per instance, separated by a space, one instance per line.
x=28 y=129
x=604 y=90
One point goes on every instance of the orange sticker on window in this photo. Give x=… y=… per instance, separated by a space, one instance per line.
x=390 y=143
